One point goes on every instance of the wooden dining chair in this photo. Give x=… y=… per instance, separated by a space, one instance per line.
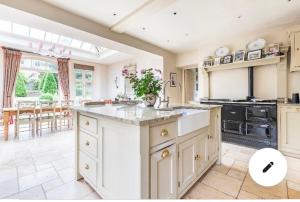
x=26 y=115
x=46 y=114
x=65 y=114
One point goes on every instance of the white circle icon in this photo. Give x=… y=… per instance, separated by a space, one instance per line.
x=267 y=167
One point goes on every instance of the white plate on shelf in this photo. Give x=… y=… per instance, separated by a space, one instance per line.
x=222 y=51
x=256 y=45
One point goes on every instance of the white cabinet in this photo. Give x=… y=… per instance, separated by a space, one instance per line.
x=164 y=173
x=192 y=160
x=289 y=130
x=187 y=170
x=214 y=133
x=295 y=51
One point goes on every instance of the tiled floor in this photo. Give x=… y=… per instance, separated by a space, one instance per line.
x=231 y=179
x=43 y=168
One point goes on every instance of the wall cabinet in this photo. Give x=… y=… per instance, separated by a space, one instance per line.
x=295 y=51
x=289 y=130
x=164 y=173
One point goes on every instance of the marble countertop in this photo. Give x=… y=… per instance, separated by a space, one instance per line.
x=289 y=104
x=138 y=114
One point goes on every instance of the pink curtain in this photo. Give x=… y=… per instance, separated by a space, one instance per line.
x=63 y=75
x=11 y=61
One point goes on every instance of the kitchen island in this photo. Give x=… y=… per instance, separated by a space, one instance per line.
x=133 y=152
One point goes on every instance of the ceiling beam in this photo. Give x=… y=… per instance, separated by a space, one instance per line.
x=149 y=8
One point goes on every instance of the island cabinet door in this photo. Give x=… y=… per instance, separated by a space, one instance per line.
x=187 y=161
x=290 y=130
x=202 y=153
x=164 y=173
x=214 y=134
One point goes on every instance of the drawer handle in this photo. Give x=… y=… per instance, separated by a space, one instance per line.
x=210 y=137
x=87 y=143
x=232 y=112
x=87 y=166
x=165 y=154
x=164 y=133
x=87 y=123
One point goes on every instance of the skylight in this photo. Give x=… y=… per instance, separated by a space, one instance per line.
x=47 y=43
x=5 y=26
x=20 y=29
x=52 y=38
x=37 y=34
x=86 y=46
x=66 y=41
x=76 y=43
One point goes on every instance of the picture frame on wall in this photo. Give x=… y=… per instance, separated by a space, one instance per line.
x=208 y=63
x=239 y=56
x=217 y=61
x=173 y=79
x=254 y=55
x=227 y=59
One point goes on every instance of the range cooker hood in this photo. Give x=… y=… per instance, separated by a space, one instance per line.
x=250 y=84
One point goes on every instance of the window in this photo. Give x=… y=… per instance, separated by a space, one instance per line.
x=36 y=80
x=83 y=83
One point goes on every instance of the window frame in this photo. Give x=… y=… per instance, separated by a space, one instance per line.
x=84 y=83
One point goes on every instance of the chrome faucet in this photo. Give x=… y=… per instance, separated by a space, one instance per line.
x=166 y=100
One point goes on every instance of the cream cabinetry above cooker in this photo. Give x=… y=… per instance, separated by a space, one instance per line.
x=295 y=50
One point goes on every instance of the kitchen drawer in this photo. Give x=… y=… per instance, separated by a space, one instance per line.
x=88 y=167
x=88 y=123
x=162 y=133
x=88 y=143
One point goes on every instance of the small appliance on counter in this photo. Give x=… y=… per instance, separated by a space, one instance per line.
x=295 y=98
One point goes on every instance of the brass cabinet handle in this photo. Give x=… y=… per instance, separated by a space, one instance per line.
x=197 y=157
x=210 y=137
x=87 y=166
x=165 y=154
x=164 y=132
x=87 y=143
x=87 y=123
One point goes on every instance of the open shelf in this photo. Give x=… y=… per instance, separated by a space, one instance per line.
x=250 y=63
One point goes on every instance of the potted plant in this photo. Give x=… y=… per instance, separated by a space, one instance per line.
x=146 y=86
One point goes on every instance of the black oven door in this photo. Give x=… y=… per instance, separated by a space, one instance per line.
x=258 y=113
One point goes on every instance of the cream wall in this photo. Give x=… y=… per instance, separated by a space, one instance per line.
x=115 y=70
x=233 y=83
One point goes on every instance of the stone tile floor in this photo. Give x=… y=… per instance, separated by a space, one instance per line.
x=43 y=168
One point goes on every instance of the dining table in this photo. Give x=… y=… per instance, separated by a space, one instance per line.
x=12 y=112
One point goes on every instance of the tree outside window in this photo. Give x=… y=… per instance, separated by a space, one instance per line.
x=37 y=80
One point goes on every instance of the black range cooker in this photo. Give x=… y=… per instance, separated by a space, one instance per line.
x=248 y=123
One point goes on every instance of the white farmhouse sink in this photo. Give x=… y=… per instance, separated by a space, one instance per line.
x=192 y=119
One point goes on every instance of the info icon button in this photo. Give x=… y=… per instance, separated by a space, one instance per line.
x=267 y=167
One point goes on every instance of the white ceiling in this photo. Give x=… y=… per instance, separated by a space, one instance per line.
x=197 y=21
